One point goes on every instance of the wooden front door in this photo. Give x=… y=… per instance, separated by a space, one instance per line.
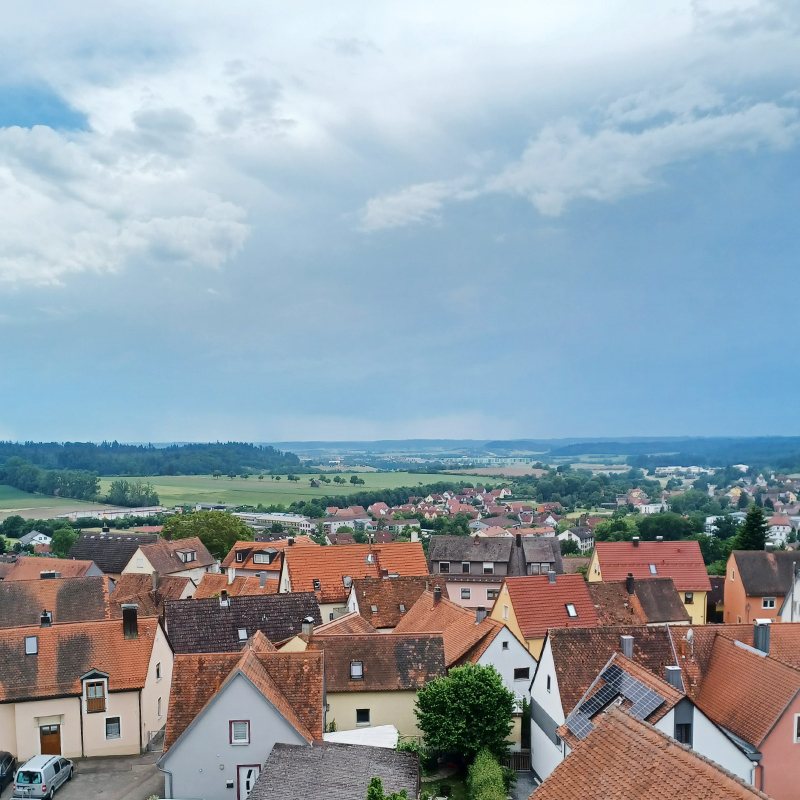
x=50 y=736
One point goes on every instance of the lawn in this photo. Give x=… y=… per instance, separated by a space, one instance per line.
x=187 y=489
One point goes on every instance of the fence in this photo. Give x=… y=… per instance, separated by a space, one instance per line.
x=519 y=761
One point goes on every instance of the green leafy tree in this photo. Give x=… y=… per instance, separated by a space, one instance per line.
x=354 y=480
x=277 y=477
x=216 y=473
x=261 y=477
x=375 y=792
x=671 y=526
x=2 y=545
x=769 y=504
x=726 y=527
x=569 y=547
x=337 y=479
x=467 y=711
x=753 y=532
x=231 y=474
x=276 y=527
x=743 y=500
x=13 y=527
x=217 y=530
x=63 y=539
x=621 y=529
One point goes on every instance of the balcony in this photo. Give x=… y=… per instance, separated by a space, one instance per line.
x=94 y=704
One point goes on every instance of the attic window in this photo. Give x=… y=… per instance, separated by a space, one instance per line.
x=653 y=570
x=488 y=567
x=240 y=557
x=465 y=566
x=31 y=645
x=187 y=555
x=374 y=609
x=402 y=609
x=444 y=567
x=571 y=612
x=261 y=558
x=242 y=634
x=317 y=585
x=356 y=671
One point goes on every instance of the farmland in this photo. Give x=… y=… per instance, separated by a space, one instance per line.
x=36 y=506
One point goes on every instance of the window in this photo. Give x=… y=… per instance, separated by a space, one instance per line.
x=653 y=570
x=317 y=585
x=159 y=708
x=240 y=556
x=767 y=602
x=505 y=612
x=465 y=567
x=139 y=563
x=733 y=574
x=240 y=731
x=402 y=608
x=158 y=671
x=683 y=732
x=362 y=716
x=444 y=567
x=492 y=594
x=95 y=696
x=242 y=635
x=688 y=598
x=465 y=593
x=545 y=568
x=505 y=645
x=261 y=558
x=187 y=555
x=356 y=671
x=797 y=728
x=112 y=728
x=534 y=569
x=488 y=567
x=31 y=645
x=548 y=683
x=374 y=609
x=522 y=674
x=571 y=612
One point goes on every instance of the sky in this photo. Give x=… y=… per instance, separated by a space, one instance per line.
x=265 y=221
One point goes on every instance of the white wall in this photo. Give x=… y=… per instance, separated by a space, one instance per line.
x=506 y=661
x=545 y=755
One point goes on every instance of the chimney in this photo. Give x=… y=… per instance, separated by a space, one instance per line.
x=477 y=539
x=437 y=595
x=290 y=541
x=155 y=581
x=761 y=636
x=384 y=573
x=46 y=619
x=308 y=626
x=769 y=546
x=130 y=620
x=626 y=645
x=551 y=575
x=635 y=541
x=414 y=536
x=262 y=579
x=480 y=615
x=629 y=583
x=231 y=575
x=519 y=540
x=659 y=538
x=674 y=678
x=168 y=535
x=224 y=600
x=105 y=529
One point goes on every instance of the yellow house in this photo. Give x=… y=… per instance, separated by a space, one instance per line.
x=531 y=604
x=682 y=561
x=85 y=688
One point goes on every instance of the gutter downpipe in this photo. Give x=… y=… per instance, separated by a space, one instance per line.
x=166 y=772
x=794 y=580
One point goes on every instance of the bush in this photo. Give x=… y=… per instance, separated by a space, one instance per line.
x=485 y=779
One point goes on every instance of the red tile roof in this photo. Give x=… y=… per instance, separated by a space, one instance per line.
x=68 y=599
x=258 y=547
x=681 y=561
x=352 y=623
x=212 y=584
x=539 y=604
x=386 y=595
x=29 y=568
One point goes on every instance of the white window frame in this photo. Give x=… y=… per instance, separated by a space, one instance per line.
x=86 y=682
x=467 y=565
x=119 y=720
x=356 y=670
x=653 y=569
x=31 y=645
x=239 y=742
x=468 y=594
x=159 y=708
x=139 y=563
x=768 y=603
x=505 y=612
x=158 y=671
x=261 y=558
x=242 y=634
x=488 y=567
x=572 y=612
x=733 y=574
x=442 y=565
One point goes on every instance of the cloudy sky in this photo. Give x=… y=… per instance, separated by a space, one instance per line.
x=314 y=220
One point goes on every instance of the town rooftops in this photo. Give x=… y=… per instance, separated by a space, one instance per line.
x=213 y=584
x=540 y=604
x=67 y=651
x=242 y=554
x=324 y=569
x=332 y=771
x=33 y=568
x=470 y=548
x=110 y=551
x=628 y=759
x=765 y=573
x=214 y=625
x=384 y=601
x=292 y=682
x=779 y=520
x=165 y=557
x=654 y=601
x=138 y=588
x=389 y=662
x=682 y=561
x=348 y=623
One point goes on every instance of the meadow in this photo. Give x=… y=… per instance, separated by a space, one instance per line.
x=36 y=506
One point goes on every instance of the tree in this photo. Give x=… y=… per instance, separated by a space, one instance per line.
x=769 y=504
x=217 y=530
x=231 y=474
x=216 y=473
x=725 y=527
x=13 y=527
x=276 y=527
x=465 y=712
x=569 y=547
x=63 y=539
x=375 y=792
x=337 y=479
x=277 y=477
x=354 y=480
x=753 y=532
x=261 y=477
x=743 y=501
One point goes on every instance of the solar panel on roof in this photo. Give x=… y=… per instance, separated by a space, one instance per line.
x=580 y=725
x=618 y=682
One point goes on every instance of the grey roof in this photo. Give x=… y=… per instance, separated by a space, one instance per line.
x=203 y=626
x=583 y=533
x=110 y=551
x=541 y=549
x=328 y=771
x=29 y=537
x=470 y=548
x=765 y=573
x=660 y=600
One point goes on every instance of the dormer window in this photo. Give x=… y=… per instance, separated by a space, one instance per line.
x=187 y=555
x=46 y=619
x=571 y=612
x=240 y=556
x=444 y=567
x=317 y=585
x=261 y=558
x=31 y=645
x=653 y=570
x=95 y=696
x=356 y=671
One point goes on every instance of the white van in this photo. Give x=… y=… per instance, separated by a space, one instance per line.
x=41 y=776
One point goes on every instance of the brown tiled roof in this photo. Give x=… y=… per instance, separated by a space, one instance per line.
x=580 y=653
x=110 y=551
x=292 y=682
x=456 y=625
x=330 y=565
x=68 y=599
x=539 y=604
x=765 y=573
x=203 y=626
x=746 y=692
x=5 y=568
x=682 y=561
x=655 y=600
x=163 y=555
x=69 y=650
x=137 y=588
x=390 y=661
x=387 y=595
x=470 y=548
x=717 y=596
x=29 y=568
x=211 y=584
x=250 y=548
x=347 y=623
x=627 y=759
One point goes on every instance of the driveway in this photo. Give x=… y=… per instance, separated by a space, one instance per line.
x=524 y=786
x=122 y=778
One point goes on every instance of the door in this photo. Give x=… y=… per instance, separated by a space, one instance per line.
x=247 y=779
x=50 y=736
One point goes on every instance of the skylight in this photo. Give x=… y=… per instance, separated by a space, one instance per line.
x=653 y=570
x=571 y=612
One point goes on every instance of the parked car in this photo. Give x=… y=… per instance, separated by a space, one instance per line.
x=41 y=776
x=8 y=766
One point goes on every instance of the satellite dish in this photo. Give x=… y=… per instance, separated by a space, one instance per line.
x=690 y=636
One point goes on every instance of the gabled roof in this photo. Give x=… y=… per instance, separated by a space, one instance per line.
x=628 y=759
x=163 y=555
x=654 y=601
x=386 y=595
x=137 y=588
x=250 y=548
x=328 y=771
x=110 y=551
x=470 y=548
x=746 y=692
x=456 y=624
x=68 y=599
x=765 y=573
x=539 y=604
x=292 y=682
x=330 y=565
x=543 y=549
x=682 y=561
x=390 y=662
x=580 y=653
x=29 y=568
x=69 y=650
x=212 y=584
x=348 y=623
x=203 y=626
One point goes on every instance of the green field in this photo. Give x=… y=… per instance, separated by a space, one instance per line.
x=187 y=489
x=14 y=501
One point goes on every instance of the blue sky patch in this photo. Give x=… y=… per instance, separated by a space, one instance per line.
x=27 y=106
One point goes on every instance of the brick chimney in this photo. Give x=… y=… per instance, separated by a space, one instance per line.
x=437 y=595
